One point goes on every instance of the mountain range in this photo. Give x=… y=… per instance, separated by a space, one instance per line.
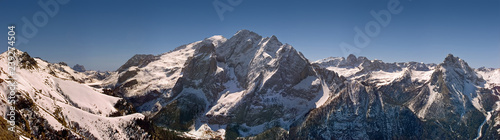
x=253 y=87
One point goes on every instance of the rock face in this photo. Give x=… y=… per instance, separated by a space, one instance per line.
x=249 y=85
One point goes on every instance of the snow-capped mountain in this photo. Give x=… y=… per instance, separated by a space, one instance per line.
x=248 y=80
x=256 y=87
x=406 y=101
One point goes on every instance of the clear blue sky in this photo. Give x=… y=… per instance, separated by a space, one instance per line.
x=104 y=35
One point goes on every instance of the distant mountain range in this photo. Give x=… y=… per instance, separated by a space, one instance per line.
x=253 y=87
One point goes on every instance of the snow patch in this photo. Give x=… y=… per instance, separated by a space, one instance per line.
x=346 y=72
x=325 y=96
x=384 y=78
x=421 y=76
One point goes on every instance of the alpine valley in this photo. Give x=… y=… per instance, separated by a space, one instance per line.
x=251 y=87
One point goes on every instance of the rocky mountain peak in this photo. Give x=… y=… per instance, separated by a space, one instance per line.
x=274 y=39
x=351 y=59
x=216 y=40
x=240 y=45
x=79 y=68
x=451 y=60
x=246 y=34
x=457 y=68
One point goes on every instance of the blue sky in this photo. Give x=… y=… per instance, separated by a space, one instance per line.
x=104 y=35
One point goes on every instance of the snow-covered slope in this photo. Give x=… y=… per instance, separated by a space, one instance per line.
x=55 y=98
